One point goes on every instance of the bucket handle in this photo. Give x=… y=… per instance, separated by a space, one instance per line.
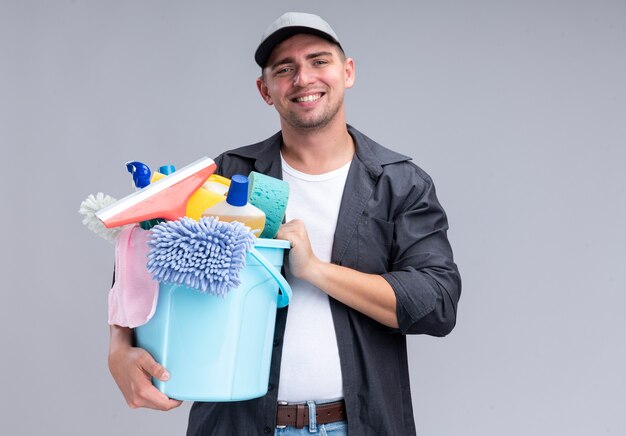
x=285 y=295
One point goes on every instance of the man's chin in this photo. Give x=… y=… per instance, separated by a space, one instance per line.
x=309 y=124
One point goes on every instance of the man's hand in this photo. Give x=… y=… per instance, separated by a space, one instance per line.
x=132 y=369
x=302 y=260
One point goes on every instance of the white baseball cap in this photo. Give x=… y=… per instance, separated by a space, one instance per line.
x=287 y=25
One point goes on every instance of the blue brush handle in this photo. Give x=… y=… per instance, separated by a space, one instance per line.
x=285 y=296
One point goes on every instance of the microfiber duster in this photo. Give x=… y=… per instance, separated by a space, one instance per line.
x=207 y=254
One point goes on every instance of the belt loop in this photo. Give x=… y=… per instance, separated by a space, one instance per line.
x=312 y=417
x=300 y=415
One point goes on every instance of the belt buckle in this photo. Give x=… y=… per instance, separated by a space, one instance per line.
x=282 y=403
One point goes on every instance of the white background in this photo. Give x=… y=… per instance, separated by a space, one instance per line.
x=516 y=109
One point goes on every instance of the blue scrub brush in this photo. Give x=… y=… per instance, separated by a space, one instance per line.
x=206 y=255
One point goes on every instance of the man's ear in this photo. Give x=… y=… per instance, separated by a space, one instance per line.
x=349 y=72
x=262 y=87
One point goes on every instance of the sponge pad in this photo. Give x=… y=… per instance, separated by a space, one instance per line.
x=270 y=195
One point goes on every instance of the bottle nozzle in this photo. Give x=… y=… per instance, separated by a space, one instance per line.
x=141 y=173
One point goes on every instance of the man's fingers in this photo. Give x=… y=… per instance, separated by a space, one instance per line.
x=146 y=395
x=153 y=399
x=150 y=397
x=153 y=368
x=292 y=231
x=164 y=403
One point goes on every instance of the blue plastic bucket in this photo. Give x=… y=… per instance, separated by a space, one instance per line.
x=219 y=348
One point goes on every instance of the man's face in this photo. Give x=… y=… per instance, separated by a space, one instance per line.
x=305 y=78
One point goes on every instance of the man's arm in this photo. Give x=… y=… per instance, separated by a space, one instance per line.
x=132 y=369
x=370 y=294
x=419 y=292
x=422 y=271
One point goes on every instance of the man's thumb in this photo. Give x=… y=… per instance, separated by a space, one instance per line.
x=156 y=370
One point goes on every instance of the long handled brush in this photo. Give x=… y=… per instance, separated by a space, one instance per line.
x=207 y=255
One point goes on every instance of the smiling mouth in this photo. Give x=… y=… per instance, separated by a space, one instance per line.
x=308 y=98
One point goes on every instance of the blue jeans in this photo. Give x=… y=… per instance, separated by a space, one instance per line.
x=338 y=428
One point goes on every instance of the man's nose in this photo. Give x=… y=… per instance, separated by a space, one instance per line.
x=302 y=77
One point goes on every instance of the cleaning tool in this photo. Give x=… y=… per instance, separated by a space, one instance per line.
x=133 y=297
x=88 y=209
x=210 y=193
x=237 y=208
x=141 y=179
x=206 y=255
x=166 y=198
x=141 y=173
x=271 y=196
x=219 y=348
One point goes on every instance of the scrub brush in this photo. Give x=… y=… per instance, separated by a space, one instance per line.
x=88 y=209
x=206 y=255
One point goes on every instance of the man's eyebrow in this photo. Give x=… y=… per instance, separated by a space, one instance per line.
x=289 y=60
x=318 y=54
x=282 y=61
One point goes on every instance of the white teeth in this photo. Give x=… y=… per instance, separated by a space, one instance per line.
x=308 y=98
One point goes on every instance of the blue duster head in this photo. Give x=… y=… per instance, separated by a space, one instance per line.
x=207 y=255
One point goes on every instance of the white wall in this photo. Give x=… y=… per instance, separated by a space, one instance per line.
x=516 y=109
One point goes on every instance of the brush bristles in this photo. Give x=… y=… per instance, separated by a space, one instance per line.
x=207 y=254
x=88 y=209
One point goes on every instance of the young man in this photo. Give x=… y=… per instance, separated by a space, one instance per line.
x=370 y=261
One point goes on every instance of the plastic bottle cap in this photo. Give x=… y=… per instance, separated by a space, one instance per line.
x=238 y=191
x=167 y=169
x=140 y=172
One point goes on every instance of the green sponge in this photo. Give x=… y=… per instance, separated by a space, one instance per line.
x=270 y=195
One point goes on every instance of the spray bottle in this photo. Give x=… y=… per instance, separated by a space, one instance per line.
x=141 y=179
x=237 y=208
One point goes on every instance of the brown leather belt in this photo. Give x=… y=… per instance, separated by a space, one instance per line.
x=298 y=414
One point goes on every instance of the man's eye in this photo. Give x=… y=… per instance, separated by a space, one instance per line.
x=283 y=70
x=320 y=62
